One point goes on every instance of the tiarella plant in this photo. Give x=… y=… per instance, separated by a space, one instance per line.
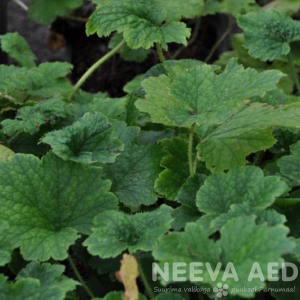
x=188 y=187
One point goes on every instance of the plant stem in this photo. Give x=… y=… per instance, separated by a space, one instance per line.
x=21 y=4
x=191 y=150
x=8 y=97
x=94 y=67
x=13 y=137
x=160 y=54
x=144 y=279
x=258 y=158
x=289 y=56
x=192 y=40
x=79 y=277
x=221 y=39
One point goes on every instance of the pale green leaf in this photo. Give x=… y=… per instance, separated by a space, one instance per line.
x=198 y=95
x=134 y=84
x=5 y=153
x=18 y=49
x=30 y=118
x=88 y=140
x=238 y=186
x=211 y=7
x=116 y=231
x=46 y=11
x=46 y=202
x=246 y=132
x=134 y=173
x=268 y=33
x=290 y=7
x=238 y=6
x=257 y=243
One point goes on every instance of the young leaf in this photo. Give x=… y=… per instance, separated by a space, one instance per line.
x=246 y=132
x=268 y=33
x=290 y=165
x=6 y=247
x=30 y=118
x=237 y=210
x=140 y=21
x=257 y=243
x=128 y=274
x=28 y=289
x=17 y=48
x=49 y=276
x=290 y=7
x=46 y=11
x=188 y=211
x=46 y=202
x=5 y=153
x=134 y=173
x=238 y=6
x=137 y=55
x=88 y=140
x=116 y=231
x=238 y=186
x=198 y=95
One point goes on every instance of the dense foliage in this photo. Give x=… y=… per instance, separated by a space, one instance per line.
x=198 y=163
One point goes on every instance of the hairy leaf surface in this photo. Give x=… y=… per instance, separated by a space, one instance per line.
x=116 y=231
x=46 y=202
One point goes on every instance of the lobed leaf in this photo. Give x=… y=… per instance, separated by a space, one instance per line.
x=88 y=140
x=242 y=243
x=116 y=231
x=6 y=247
x=268 y=33
x=46 y=202
x=238 y=186
x=200 y=96
x=248 y=131
x=17 y=48
x=140 y=20
x=5 y=153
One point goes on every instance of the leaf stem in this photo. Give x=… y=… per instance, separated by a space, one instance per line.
x=192 y=40
x=258 y=158
x=79 y=277
x=13 y=137
x=290 y=59
x=21 y=4
x=221 y=39
x=7 y=97
x=144 y=279
x=191 y=150
x=160 y=54
x=94 y=67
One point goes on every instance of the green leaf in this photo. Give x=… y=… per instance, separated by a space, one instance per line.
x=274 y=97
x=290 y=7
x=295 y=53
x=88 y=140
x=126 y=52
x=30 y=118
x=46 y=202
x=49 y=276
x=188 y=211
x=18 y=49
x=290 y=165
x=198 y=95
x=246 y=132
x=211 y=7
x=258 y=243
x=134 y=173
x=293 y=220
x=6 y=247
x=238 y=6
x=116 y=231
x=169 y=296
x=54 y=81
x=134 y=84
x=268 y=33
x=236 y=186
x=237 y=210
x=46 y=11
x=139 y=20
x=28 y=289
x=5 y=153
